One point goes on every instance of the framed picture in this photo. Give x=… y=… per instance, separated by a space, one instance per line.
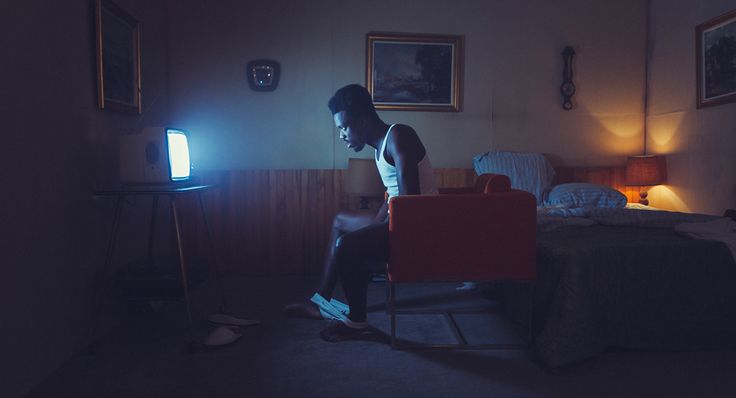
x=415 y=72
x=118 y=58
x=716 y=60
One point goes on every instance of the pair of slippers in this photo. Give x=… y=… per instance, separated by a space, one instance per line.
x=344 y=328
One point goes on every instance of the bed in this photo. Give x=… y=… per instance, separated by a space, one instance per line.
x=621 y=277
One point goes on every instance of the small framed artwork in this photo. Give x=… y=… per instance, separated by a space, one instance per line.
x=118 y=58
x=715 y=43
x=415 y=72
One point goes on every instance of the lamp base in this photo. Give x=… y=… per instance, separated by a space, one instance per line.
x=643 y=197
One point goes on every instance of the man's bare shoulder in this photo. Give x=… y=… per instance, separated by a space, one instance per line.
x=402 y=133
x=403 y=142
x=403 y=129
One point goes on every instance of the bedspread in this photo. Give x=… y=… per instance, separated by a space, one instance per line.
x=606 y=286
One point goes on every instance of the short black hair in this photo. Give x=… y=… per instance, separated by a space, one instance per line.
x=355 y=100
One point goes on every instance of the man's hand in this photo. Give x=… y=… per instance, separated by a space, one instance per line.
x=382 y=215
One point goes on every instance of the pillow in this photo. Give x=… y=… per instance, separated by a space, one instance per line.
x=529 y=172
x=583 y=194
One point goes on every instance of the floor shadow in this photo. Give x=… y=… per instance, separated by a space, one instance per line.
x=431 y=299
x=509 y=369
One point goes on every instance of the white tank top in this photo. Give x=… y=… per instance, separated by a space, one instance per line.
x=427 y=184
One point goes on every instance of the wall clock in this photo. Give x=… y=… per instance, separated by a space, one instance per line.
x=263 y=74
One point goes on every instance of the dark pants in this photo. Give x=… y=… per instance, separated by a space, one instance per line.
x=358 y=254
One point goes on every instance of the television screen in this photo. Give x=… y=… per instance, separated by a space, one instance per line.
x=179 y=163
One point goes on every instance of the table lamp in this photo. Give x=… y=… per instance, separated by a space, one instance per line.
x=645 y=171
x=363 y=180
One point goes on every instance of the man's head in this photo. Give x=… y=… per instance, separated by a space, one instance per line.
x=353 y=111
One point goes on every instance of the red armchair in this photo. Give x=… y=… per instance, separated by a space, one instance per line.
x=484 y=233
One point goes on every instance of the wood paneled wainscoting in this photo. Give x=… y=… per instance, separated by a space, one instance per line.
x=611 y=176
x=277 y=222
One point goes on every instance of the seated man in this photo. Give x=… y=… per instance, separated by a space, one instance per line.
x=360 y=239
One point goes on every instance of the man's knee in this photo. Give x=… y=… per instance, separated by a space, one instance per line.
x=347 y=221
x=340 y=220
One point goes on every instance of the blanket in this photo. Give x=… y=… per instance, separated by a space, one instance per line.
x=604 y=286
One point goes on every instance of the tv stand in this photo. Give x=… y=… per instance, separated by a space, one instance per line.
x=170 y=192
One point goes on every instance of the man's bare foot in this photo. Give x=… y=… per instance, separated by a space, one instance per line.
x=339 y=331
x=305 y=309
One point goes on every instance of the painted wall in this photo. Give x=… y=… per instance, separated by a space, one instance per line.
x=57 y=148
x=513 y=70
x=700 y=144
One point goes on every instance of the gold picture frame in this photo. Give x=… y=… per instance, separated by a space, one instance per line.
x=715 y=55
x=118 y=58
x=415 y=72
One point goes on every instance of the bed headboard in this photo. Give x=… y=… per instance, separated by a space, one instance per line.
x=612 y=176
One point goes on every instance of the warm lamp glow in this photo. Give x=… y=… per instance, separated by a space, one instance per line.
x=669 y=198
x=645 y=171
x=665 y=132
x=363 y=180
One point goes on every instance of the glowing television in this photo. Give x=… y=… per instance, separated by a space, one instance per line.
x=156 y=155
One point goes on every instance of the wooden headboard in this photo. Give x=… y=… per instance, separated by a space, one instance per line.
x=612 y=176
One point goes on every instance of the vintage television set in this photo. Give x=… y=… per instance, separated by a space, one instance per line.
x=155 y=156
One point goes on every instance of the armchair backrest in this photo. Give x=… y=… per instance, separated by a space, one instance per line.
x=464 y=237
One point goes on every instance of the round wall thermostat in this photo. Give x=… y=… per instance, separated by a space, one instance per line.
x=263 y=75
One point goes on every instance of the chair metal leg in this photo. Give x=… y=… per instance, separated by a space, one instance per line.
x=462 y=342
x=391 y=290
x=530 y=340
x=182 y=264
x=96 y=306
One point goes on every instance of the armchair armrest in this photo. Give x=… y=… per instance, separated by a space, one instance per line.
x=484 y=183
x=462 y=237
x=488 y=183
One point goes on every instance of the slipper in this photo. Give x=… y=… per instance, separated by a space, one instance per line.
x=467 y=286
x=327 y=310
x=221 y=336
x=225 y=319
x=342 y=307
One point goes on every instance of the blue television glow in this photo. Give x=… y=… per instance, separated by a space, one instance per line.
x=178 y=149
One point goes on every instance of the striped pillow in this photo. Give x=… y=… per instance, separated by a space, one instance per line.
x=583 y=194
x=529 y=172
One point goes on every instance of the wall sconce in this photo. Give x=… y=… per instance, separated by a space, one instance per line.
x=645 y=171
x=363 y=180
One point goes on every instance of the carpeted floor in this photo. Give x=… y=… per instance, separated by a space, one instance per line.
x=147 y=356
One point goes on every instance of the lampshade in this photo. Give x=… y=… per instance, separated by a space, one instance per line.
x=646 y=170
x=363 y=178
